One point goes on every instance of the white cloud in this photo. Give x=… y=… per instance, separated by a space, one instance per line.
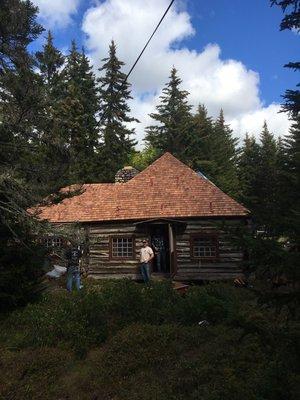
x=57 y=13
x=211 y=80
x=252 y=122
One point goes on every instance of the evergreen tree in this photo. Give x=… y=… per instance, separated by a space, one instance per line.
x=247 y=170
x=50 y=61
x=20 y=103
x=201 y=133
x=223 y=156
x=291 y=21
x=117 y=141
x=268 y=182
x=20 y=109
x=292 y=183
x=52 y=159
x=174 y=121
x=76 y=118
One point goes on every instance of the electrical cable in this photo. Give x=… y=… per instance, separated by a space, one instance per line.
x=140 y=55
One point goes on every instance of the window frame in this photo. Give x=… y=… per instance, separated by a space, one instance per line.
x=52 y=239
x=112 y=257
x=214 y=236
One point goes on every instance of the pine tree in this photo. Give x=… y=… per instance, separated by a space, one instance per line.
x=292 y=184
x=19 y=84
x=117 y=141
x=223 y=156
x=76 y=118
x=50 y=61
x=51 y=159
x=20 y=109
x=291 y=21
x=201 y=133
x=247 y=171
x=267 y=181
x=174 y=121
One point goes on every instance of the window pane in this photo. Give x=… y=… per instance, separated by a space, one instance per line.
x=204 y=247
x=122 y=247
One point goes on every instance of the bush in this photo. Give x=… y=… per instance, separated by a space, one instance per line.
x=145 y=342
x=142 y=362
x=33 y=374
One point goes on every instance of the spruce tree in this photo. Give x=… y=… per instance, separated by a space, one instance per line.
x=201 y=132
x=292 y=148
x=223 y=156
x=76 y=118
x=291 y=21
x=173 y=129
x=51 y=159
x=291 y=105
x=20 y=109
x=247 y=172
x=20 y=103
x=117 y=138
x=268 y=182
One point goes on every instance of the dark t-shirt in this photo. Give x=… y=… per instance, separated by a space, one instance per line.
x=73 y=256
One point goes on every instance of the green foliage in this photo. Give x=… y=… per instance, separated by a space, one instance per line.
x=173 y=121
x=199 y=154
x=142 y=159
x=33 y=374
x=117 y=141
x=247 y=170
x=223 y=157
x=20 y=257
x=291 y=21
x=76 y=118
x=145 y=342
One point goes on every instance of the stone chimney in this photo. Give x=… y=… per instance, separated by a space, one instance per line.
x=125 y=174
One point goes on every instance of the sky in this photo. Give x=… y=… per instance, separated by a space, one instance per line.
x=228 y=53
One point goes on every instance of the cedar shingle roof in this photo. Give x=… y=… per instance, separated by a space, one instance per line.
x=167 y=188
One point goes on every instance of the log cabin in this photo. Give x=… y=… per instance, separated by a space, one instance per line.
x=168 y=199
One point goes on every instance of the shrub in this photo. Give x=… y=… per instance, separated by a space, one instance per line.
x=33 y=374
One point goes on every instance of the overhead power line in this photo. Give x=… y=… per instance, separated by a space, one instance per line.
x=140 y=55
x=153 y=33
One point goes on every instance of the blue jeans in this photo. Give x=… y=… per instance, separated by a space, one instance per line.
x=145 y=271
x=161 y=261
x=73 y=277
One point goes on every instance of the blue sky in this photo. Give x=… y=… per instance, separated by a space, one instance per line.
x=249 y=31
x=229 y=53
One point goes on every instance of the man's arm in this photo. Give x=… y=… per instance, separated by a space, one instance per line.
x=151 y=254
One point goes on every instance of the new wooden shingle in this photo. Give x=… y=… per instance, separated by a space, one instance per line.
x=167 y=188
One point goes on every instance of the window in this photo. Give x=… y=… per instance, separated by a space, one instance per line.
x=122 y=247
x=53 y=242
x=204 y=246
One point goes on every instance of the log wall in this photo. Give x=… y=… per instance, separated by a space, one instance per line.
x=101 y=266
x=227 y=266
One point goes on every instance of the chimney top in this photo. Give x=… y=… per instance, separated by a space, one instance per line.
x=125 y=174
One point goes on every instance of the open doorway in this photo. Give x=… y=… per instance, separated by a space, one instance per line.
x=159 y=238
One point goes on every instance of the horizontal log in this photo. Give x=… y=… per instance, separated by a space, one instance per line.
x=207 y=277
x=207 y=264
x=115 y=276
x=113 y=262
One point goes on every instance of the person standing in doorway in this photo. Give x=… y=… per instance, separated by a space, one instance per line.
x=146 y=256
x=159 y=246
x=73 y=255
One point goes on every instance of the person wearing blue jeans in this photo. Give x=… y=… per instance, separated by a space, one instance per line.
x=73 y=255
x=73 y=277
x=159 y=246
x=146 y=256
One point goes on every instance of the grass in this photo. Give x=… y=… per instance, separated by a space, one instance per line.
x=120 y=340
